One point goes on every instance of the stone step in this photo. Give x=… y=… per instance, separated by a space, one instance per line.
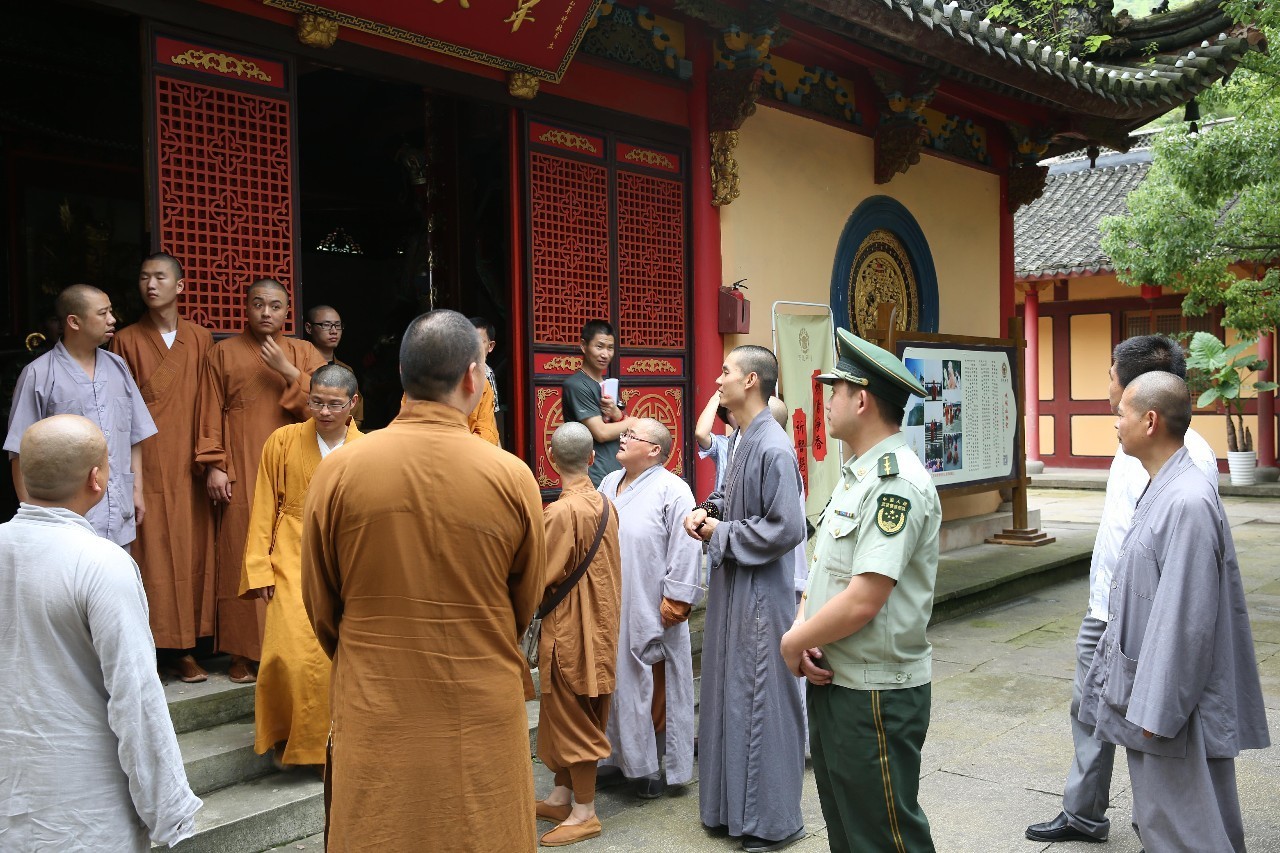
x=221 y=756
x=258 y=815
x=210 y=703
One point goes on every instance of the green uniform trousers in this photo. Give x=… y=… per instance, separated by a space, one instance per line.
x=866 y=759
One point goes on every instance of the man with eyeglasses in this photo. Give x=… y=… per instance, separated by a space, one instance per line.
x=255 y=383
x=291 y=711
x=651 y=725
x=324 y=329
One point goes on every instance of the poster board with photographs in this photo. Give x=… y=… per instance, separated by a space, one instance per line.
x=966 y=429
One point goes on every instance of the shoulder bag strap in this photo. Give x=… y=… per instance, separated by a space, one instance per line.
x=563 y=589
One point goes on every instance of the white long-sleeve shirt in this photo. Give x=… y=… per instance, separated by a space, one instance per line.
x=1125 y=483
x=88 y=757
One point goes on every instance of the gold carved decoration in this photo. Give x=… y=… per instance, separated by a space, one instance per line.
x=544 y=482
x=649 y=158
x=317 y=30
x=522 y=85
x=223 y=63
x=569 y=140
x=567 y=363
x=881 y=272
x=652 y=365
x=724 y=168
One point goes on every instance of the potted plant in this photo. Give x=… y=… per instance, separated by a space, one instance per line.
x=1219 y=373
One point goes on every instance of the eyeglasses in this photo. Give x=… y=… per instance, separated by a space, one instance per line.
x=631 y=436
x=328 y=325
x=320 y=406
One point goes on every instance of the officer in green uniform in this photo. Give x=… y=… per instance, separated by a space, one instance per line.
x=859 y=635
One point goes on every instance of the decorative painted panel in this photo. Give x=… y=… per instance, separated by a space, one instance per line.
x=569 y=211
x=228 y=65
x=566 y=140
x=651 y=158
x=224 y=195
x=664 y=404
x=556 y=362
x=548 y=414
x=651 y=261
x=648 y=365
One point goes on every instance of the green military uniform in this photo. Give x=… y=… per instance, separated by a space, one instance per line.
x=868 y=726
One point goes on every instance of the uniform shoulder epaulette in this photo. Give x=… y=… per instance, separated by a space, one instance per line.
x=887 y=466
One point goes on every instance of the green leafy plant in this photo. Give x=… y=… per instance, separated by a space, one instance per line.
x=1218 y=373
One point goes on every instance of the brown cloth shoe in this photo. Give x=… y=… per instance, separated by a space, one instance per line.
x=566 y=834
x=555 y=814
x=241 y=670
x=188 y=670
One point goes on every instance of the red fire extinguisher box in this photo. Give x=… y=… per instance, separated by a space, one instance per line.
x=735 y=312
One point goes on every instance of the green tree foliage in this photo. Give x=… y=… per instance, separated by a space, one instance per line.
x=1067 y=25
x=1218 y=373
x=1212 y=198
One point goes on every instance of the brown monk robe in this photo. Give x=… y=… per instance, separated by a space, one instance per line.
x=578 y=652
x=242 y=401
x=174 y=548
x=423 y=558
x=482 y=422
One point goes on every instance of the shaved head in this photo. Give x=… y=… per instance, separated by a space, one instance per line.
x=335 y=377
x=57 y=454
x=760 y=361
x=571 y=448
x=75 y=300
x=656 y=432
x=778 y=409
x=266 y=284
x=435 y=353
x=1166 y=395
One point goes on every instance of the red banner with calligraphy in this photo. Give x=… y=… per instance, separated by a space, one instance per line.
x=537 y=37
x=819 y=443
x=800 y=430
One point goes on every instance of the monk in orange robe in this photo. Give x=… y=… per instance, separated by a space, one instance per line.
x=482 y=421
x=423 y=558
x=578 y=651
x=166 y=354
x=256 y=382
x=291 y=701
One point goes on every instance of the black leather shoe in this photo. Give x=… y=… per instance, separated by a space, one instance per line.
x=752 y=844
x=649 y=787
x=1059 y=830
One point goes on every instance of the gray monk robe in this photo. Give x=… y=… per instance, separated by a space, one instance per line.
x=658 y=560
x=1177 y=660
x=751 y=730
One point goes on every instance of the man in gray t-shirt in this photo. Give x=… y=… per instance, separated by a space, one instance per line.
x=584 y=402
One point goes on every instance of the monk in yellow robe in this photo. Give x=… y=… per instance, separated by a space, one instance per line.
x=167 y=354
x=423 y=558
x=291 y=701
x=578 y=651
x=256 y=382
x=482 y=421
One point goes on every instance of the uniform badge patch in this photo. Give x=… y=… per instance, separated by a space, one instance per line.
x=887 y=466
x=891 y=514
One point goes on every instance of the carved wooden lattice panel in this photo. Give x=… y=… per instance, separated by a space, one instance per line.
x=666 y=405
x=569 y=205
x=225 y=190
x=548 y=415
x=651 y=261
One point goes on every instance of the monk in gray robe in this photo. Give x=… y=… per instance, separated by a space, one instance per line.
x=751 y=729
x=1175 y=680
x=653 y=716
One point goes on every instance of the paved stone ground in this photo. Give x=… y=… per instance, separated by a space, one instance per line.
x=999 y=742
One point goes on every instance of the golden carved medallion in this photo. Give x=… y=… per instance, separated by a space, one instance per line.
x=881 y=272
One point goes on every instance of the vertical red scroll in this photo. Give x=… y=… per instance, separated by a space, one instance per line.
x=800 y=430
x=819 y=443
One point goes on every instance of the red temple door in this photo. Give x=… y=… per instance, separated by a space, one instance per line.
x=222 y=178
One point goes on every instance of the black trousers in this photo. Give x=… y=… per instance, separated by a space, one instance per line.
x=866 y=759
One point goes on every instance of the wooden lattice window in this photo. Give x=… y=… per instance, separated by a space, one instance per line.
x=1166 y=321
x=651 y=273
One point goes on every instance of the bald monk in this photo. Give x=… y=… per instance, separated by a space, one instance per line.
x=166 y=355
x=423 y=558
x=88 y=757
x=579 y=643
x=78 y=378
x=324 y=329
x=291 y=706
x=256 y=382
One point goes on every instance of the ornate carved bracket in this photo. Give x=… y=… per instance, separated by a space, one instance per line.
x=316 y=30
x=731 y=96
x=522 y=85
x=901 y=132
x=1026 y=177
x=724 y=168
x=1026 y=184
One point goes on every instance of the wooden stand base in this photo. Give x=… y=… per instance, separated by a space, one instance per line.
x=1021 y=536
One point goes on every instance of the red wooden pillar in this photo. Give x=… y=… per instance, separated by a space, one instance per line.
x=1267 y=405
x=1031 y=367
x=708 y=345
x=521 y=364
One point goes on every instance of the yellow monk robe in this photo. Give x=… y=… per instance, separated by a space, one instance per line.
x=242 y=401
x=423 y=559
x=482 y=421
x=291 y=701
x=578 y=652
x=174 y=548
